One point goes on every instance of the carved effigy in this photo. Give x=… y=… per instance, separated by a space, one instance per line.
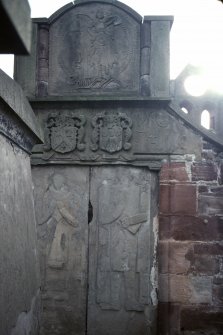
x=64 y=133
x=120 y=277
x=111 y=132
x=96 y=51
x=61 y=202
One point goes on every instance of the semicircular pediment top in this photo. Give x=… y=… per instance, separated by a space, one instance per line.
x=56 y=15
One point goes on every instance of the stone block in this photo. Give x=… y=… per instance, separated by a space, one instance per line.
x=172 y=257
x=183 y=199
x=202 y=318
x=25 y=67
x=168 y=318
x=218 y=291
x=213 y=249
x=204 y=265
x=164 y=227
x=191 y=228
x=174 y=172
x=204 y=171
x=185 y=289
x=164 y=199
x=210 y=203
x=178 y=199
x=159 y=56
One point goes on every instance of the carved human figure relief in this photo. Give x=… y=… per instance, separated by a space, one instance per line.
x=123 y=250
x=64 y=132
x=60 y=222
x=111 y=132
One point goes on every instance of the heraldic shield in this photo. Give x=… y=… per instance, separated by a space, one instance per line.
x=64 y=138
x=111 y=138
x=65 y=133
x=111 y=132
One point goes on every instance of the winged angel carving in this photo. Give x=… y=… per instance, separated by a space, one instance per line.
x=99 y=51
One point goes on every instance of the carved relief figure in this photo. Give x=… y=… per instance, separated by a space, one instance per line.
x=64 y=132
x=61 y=222
x=123 y=249
x=99 y=51
x=111 y=132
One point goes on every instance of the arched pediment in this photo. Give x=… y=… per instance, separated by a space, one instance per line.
x=94 y=46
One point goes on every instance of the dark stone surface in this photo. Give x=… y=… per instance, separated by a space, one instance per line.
x=183 y=228
x=178 y=199
x=94 y=47
x=25 y=67
x=15 y=27
x=203 y=318
x=19 y=270
x=19 y=110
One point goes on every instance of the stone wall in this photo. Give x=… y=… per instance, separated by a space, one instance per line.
x=19 y=272
x=190 y=246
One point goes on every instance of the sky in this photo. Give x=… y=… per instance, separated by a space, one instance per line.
x=196 y=36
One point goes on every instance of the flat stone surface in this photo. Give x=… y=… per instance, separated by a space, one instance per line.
x=15 y=20
x=185 y=289
x=178 y=199
x=19 y=270
x=12 y=94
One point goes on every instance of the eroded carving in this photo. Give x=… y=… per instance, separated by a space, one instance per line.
x=111 y=132
x=123 y=243
x=64 y=133
x=101 y=51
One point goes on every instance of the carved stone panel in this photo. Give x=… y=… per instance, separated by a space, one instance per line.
x=120 y=251
x=111 y=132
x=64 y=132
x=61 y=199
x=134 y=135
x=94 y=47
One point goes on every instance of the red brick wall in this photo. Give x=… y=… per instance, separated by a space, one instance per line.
x=191 y=248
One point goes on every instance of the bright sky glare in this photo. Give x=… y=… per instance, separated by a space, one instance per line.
x=196 y=36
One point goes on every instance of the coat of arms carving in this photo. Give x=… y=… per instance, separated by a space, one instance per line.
x=111 y=132
x=65 y=132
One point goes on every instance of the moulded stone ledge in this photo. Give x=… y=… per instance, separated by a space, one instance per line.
x=17 y=119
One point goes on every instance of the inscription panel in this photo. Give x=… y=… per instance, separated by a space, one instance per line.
x=119 y=251
x=61 y=199
x=94 y=48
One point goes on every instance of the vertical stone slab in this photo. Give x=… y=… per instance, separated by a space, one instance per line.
x=120 y=251
x=159 y=66
x=61 y=198
x=145 y=57
x=25 y=67
x=94 y=48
